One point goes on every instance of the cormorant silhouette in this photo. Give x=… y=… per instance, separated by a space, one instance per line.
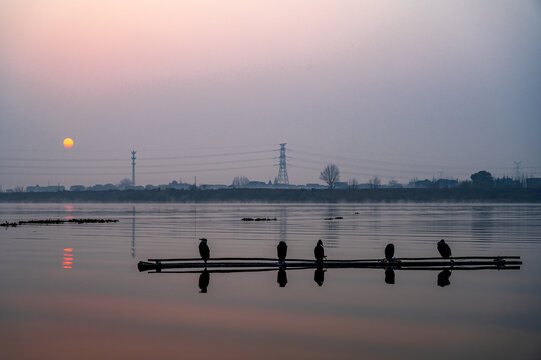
x=282 y=251
x=204 y=279
x=389 y=276
x=204 y=250
x=444 y=249
x=319 y=275
x=282 y=277
x=389 y=252
x=319 y=252
x=443 y=278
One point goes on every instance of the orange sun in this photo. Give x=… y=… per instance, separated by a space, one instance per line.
x=68 y=142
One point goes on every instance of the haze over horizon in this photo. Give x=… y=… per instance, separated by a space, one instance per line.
x=210 y=89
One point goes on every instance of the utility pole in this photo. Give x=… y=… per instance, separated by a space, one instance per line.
x=282 y=178
x=133 y=167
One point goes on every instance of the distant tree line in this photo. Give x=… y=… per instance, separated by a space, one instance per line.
x=456 y=194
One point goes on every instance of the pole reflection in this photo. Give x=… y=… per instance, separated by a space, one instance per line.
x=281 y=275
x=133 y=232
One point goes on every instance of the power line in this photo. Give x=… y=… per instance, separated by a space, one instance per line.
x=149 y=158
x=398 y=164
x=140 y=165
x=140 y=172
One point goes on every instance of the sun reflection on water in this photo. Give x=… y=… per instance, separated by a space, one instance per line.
x=68 y=259
x=68 y=208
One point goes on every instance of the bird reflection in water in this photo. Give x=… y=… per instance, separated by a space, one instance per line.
x=204 y=279
x=319 y=276
x=389 y=276
x=443 y=278
x=282 y=277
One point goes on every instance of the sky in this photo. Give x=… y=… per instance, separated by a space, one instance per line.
x=209 y=89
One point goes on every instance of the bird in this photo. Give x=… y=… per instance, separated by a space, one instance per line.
x=204 y=279
x=281 y=249
x=319 y=252
x=389 y=252
x=444 y=249
x=443 y=278
x=319 y=275
x=204 y=250
x=281 y=279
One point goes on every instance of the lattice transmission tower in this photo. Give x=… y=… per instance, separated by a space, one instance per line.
x=282 y=178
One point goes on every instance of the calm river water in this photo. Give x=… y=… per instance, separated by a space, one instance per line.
x=74 y=291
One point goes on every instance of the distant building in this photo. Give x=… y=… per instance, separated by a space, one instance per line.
x=533 y=183
x=341 y=185
x=256 y=185
x=421 y=184
x=101 y=187
x=38 y=188
x=77 y=188
x=315 y=186
x=446 y=183
x=507 y=182
x=177 y=185
x=213 y=186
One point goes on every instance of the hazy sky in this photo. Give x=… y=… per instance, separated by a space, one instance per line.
x=398 y=89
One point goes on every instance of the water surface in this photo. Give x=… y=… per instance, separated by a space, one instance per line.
x=74 y=291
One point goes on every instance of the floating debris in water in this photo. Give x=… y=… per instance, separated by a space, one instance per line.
x=334 y=218
x=92 y=221
x=259 y=219
x=57 y=222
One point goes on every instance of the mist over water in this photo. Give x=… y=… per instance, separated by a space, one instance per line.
x=100 y=305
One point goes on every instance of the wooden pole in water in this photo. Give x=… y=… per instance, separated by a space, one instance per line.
x=339 y=260
x=451 y=263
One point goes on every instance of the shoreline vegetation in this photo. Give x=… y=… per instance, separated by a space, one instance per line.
x=471 y=194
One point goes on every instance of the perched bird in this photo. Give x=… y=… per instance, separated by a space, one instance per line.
x=319 y=275
x=389 y=276
x=389 y=252
x=319 y=252
x=204 y=250
x=281 y=279
x=204 y=279
x=443 y=278
x=282 y=251
x=444 y=249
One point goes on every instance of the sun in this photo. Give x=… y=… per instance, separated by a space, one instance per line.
x=68 y=142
